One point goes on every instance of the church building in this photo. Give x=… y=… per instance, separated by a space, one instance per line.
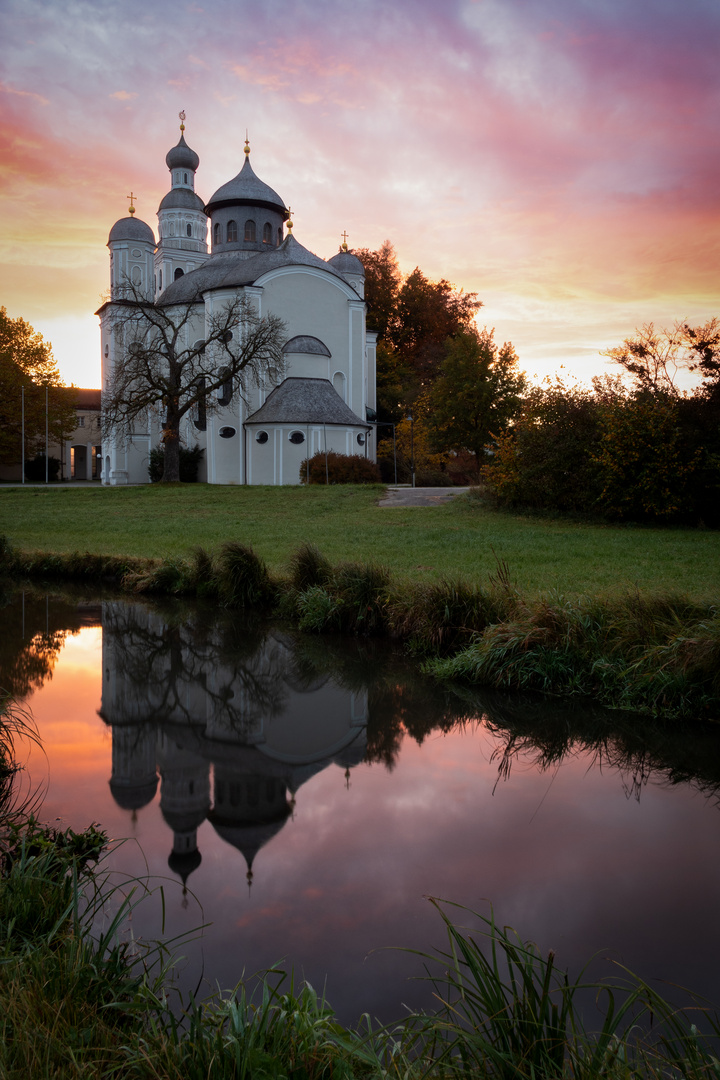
x=326 y=397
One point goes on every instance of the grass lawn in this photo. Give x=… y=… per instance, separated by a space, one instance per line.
x=423 y=543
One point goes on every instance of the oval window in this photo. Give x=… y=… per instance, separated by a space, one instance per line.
x=226 y=432
x=261 y=437
x=361 y=440
x=296 y=437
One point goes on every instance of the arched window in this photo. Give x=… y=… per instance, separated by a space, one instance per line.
x=160 y=276
x=224 y=394
x=232 y=232
x=280 y=235
x=189 y=230
x=200 y=417
x=216 y=234
x=267 y=233
x=184 y=178
x=250 y=231
x=178 y=273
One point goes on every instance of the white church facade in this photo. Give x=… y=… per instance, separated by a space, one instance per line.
x=326 y=398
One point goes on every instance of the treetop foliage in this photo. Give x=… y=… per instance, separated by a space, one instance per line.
x=414 y=318
x=27 y=364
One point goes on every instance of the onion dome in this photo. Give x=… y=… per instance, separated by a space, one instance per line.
x=131 y=795
x=346 y=263
x=182 y=157
x=246 y=190
x=131 y=228
x=181 y=198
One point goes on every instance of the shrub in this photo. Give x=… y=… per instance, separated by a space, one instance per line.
x=35 y=469
x=332 y=468
x=190 y=458
x=243 y=577
x=309 y=567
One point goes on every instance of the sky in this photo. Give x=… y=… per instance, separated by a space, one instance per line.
x=558 y=157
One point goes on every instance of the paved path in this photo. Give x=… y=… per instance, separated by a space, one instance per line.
x=426 y=496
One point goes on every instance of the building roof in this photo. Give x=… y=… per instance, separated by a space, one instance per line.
x=305 y=343
x=347 y=263
x=246 y=189
x=182 y=157
x=86 y=399
x=230 y=268
x=180 y=198
x=131 y=228
x=305 y=401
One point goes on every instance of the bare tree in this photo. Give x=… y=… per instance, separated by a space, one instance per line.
x=652 y=356
x=163 y=368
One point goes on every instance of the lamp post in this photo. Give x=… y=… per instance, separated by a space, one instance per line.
x=412 y=450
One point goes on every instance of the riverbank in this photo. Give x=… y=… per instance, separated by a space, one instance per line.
x=654 y=654
x=462 y=539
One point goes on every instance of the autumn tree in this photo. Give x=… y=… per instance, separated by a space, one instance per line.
x=476 y=393
x=27 y=364
x=162 y=369
x=413 y=317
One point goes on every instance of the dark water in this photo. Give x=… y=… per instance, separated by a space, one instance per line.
x=304 y=796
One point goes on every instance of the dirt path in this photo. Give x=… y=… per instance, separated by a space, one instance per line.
x=426 y=496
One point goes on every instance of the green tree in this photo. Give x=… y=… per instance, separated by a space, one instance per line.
x=26 y=362
x=476 y=394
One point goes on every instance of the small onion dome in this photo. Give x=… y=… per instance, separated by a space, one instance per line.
x=131 y=228
x=346 y=263
x=182 y=157
x=246 y=189
x=133 y=796
x=183 y=863
x=179 y=198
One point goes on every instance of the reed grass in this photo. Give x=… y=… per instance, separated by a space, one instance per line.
x=653 y=653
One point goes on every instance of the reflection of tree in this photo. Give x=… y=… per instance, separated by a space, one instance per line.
x=543 y=732
x=160 y=654
x=34 y=630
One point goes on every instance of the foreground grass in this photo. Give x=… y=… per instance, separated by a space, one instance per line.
x=77 y=1004
x=423 y=544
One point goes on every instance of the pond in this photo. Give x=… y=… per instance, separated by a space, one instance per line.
x=303 y=796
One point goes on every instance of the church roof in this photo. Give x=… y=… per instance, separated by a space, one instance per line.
x=231 y=268
x=306 y=343
x=182 y=157
x=245 y=189
x=305 y=401
x=131 y=228
x=181 y=199
x=347 y=263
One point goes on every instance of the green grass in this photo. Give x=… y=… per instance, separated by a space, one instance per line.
x=462 y=539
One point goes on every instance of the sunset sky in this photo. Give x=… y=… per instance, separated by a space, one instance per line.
x=559 y=157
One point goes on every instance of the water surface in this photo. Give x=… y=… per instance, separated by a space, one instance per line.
x=304 y=796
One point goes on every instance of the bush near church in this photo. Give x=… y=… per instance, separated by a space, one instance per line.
x=332 y=468
x=190 y=457
x=35 y=469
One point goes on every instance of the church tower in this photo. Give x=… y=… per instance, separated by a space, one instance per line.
x=182 y=222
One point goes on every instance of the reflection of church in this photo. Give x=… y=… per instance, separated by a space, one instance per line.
x=229 y=740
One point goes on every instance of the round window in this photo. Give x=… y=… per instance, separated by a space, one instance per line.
x=261 y=437
x=296 y=437
x=226 y=432
x=361 y=440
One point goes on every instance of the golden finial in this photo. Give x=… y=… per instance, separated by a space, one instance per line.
x=182 y=120
x=247 y=143
x=289 y=219
x=131 y=211
x=343 y=246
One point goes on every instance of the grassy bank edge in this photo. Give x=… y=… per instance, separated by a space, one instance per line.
x=78 y=1002
x=659 y=655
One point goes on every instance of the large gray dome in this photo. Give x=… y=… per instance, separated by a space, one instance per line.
x=131 y=228
x=246 y=190
x=182 y=157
